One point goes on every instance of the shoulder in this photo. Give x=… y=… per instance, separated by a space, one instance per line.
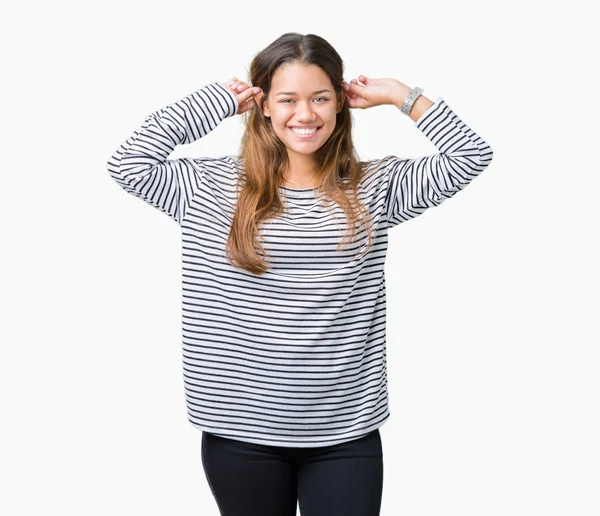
x=377 y=168
x=228 y=161
x=225 y=169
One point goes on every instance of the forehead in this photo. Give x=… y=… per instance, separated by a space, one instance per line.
x=302 y=79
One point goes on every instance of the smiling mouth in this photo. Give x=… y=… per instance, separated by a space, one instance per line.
x=306 y=135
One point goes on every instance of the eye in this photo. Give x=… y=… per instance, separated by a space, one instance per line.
x=285 y=101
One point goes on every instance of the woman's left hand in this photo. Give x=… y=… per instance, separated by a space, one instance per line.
x=374 y=92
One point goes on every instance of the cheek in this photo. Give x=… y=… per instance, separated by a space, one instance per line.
x=281 y=117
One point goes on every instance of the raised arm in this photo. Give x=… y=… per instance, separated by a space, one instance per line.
x=140 y=165
x=415 y=184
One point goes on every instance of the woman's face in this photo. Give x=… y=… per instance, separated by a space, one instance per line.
x=302 y=97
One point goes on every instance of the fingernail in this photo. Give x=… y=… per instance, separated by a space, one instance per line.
x=256 y=90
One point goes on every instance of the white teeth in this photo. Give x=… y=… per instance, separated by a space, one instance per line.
x=303 y=131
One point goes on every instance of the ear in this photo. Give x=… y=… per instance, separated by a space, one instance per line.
x=258 y=99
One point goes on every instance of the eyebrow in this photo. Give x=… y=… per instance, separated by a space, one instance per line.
x=294 y=93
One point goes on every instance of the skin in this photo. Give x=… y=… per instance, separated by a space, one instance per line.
x=302 y=108
x=305 y=108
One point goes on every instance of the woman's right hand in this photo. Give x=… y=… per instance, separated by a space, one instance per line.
x=243 y=92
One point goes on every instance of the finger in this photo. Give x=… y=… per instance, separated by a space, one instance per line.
x=245 y=106
x=354 y=87
x=241 y=86
x=252 y=102
x=245 y=95
x=349 y=89
x=231 y=84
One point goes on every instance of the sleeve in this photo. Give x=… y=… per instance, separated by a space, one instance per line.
x=415 y=184
x=140 y=165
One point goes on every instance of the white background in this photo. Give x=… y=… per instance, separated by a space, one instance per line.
x=493 y=305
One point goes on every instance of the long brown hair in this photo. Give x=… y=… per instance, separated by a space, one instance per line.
x=265 y=159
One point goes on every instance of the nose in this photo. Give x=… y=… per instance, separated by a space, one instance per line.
x=304 y=113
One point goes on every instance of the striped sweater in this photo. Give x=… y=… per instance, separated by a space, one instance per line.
x=295 y=357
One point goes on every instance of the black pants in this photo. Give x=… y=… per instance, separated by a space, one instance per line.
x=249 y=479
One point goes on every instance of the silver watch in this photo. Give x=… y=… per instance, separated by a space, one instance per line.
x=413 y=95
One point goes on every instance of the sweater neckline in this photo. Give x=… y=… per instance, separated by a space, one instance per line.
x=298 y=192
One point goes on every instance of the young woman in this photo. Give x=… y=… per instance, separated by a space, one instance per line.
x=283 y=285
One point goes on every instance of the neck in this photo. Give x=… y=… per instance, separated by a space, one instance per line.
x=300 y=169
x=300 y=180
